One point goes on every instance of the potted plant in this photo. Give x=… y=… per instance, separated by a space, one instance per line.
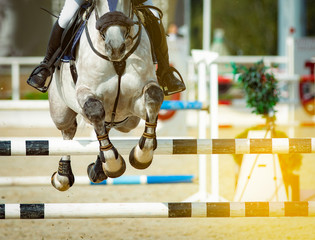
x=262 y=95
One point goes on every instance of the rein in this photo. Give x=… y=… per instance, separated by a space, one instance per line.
x=121 y=65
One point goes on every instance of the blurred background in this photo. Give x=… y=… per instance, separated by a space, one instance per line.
x=251 y=27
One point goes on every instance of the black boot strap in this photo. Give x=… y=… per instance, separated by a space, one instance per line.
x=149 y=135
x=64 y=168
x=107 y=147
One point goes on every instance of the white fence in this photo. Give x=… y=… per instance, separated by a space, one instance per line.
x=16 y=63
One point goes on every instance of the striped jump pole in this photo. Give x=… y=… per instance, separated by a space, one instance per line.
x=57 y=147
x=157 y=210
x=84 y=180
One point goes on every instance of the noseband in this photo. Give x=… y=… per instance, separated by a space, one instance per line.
x=113 y=18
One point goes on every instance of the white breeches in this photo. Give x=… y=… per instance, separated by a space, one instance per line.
x=68 y=11
x=71 y=6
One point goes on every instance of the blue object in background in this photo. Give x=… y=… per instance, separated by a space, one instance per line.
x=142 y=179
x=181 y=105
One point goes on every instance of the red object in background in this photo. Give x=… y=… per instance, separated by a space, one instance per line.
x=307 y=90
x=167 y=114
x=224 y=85
x=310 y=65
x=224 y=80
x=225 y=102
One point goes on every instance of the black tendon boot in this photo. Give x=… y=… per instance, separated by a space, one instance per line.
x=39 y=75
x=168 y=81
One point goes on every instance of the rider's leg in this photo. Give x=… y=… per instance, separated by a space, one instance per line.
x=169 y=82
x=43 y=71
x=38 y=78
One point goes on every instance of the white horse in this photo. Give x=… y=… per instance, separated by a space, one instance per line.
x=107 y=96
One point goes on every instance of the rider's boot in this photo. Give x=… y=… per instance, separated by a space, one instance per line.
x=168 y=81
x=38 y=77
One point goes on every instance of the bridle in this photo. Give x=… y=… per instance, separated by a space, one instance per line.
x=106 y=21
x=102 y=24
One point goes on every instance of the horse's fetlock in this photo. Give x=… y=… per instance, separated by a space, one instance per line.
x=95 y=172
x=94 y=110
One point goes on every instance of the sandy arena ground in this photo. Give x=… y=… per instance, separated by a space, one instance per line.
x=202 y=228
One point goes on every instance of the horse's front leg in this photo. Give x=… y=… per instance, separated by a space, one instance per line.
x=109 y=162
x=65 y=120
x=63 y=179
x=141 y=155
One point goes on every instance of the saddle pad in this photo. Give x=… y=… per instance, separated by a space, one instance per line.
x=71 y=55
x=73 y=32
x=112 y=4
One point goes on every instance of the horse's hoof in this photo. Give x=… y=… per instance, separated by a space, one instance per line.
x=96 y=173
x=137 y=164
x=61 y=183
x=119 y=172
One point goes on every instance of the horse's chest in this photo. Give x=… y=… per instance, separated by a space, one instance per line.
x=127 y=92
x=127 y=86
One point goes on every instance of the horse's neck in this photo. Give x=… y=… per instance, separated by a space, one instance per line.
x=102 y=6
x=123 y=6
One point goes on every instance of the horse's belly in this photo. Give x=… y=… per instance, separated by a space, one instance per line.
x=125 y=107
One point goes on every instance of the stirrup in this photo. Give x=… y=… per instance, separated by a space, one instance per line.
x=163 y=83
x=38 y=69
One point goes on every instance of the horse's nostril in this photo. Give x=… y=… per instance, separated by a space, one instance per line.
x=107 y=48
x=122 y=48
